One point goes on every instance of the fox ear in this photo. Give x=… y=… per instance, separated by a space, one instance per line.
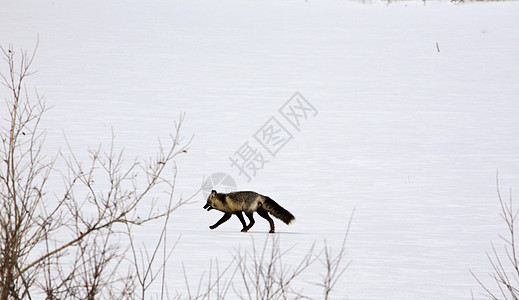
x=213 y=192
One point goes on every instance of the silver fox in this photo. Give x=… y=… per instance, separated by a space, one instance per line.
x=247 y=202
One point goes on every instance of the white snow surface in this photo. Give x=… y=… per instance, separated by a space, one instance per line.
x=417 y=107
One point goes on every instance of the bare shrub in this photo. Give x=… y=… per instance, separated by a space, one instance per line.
x=263 y=273
x=504 y=261
x=334 y=265
x=69 y=246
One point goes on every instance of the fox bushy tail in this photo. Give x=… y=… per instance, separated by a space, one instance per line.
x=279 y=212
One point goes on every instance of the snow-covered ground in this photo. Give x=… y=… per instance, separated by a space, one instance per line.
x=415 y=109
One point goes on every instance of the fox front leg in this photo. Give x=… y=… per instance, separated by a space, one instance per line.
x=225 y=217
x=251 y=219
x=240 y=216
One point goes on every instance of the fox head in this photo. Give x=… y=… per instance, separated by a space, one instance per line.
x=210 y=204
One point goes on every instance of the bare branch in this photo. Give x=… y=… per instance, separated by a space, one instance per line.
x=505 y=266
x=80 y=230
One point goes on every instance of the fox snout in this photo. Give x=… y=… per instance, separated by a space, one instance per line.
x=208 y=206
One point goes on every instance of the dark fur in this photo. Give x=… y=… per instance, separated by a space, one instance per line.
x=247 y=202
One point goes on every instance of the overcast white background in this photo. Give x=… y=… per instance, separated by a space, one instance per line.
x=408 y=136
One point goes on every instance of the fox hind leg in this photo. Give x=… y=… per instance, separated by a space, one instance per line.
x=225 y=217
x=251 y=219
x=264 y=214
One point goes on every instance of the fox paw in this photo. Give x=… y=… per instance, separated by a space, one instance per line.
x=212 y=227
x=244 y=230
x=271 y=231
